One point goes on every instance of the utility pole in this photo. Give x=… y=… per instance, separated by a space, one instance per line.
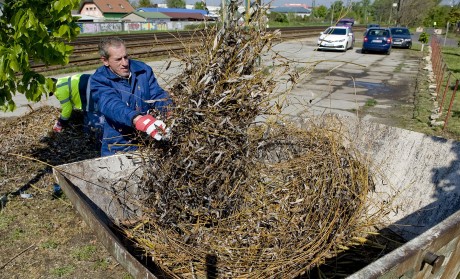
x=313 y=5
x=332 y=14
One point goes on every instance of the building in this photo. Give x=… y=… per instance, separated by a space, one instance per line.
x=177 y=14
x=295 y=9
x=109 y=10
x=137 y=16
x=171 y=10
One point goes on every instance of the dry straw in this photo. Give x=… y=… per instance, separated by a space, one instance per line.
x=232 y=197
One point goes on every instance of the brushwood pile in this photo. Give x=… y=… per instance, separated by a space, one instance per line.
x=240 y=191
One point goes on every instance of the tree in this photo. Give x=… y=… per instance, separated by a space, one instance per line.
x=382 y=10
x=454 y=15
x=423 y=38
x=278 y=17
x=145 y=3
x=33 y=30
x=200 y=5
x=175 y=3
x=337 y=11
x=412 y=12
x=438 y=14
x=320 y=12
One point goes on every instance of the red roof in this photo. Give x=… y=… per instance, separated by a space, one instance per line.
x=110 y=6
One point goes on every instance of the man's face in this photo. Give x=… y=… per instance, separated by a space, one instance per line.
x=118 y=60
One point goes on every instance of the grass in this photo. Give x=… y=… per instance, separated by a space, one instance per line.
x=63 y=271
x=49 y=244
x=451 y=56
x=84 y=253
x=370 y=103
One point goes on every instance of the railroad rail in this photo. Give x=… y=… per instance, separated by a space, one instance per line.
x=155 y=44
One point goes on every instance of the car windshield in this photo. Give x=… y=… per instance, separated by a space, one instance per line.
x=378 y=32
x=336 y=31
x=398 y=31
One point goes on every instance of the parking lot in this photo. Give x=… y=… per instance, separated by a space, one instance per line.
x=370 y=86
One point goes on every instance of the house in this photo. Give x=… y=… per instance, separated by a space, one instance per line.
x=108 y=9
x=145 y=17
x=178 y=14
x=295 y=10
x=172 y=10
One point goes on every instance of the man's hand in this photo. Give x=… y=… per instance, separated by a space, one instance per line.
x=153 y=127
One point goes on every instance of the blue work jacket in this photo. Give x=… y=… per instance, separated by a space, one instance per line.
x=121 y=100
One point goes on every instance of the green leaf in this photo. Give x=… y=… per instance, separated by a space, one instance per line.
x=14 y=63
x=63 y=30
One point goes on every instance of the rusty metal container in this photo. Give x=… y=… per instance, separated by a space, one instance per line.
x=419 y=173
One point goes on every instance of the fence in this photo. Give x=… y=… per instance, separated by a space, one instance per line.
x=443 y=80
x=163 y=25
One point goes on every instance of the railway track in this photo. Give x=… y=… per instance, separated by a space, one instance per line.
x=154 y=44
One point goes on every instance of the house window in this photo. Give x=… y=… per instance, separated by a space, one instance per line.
x=121 y=6
x=110 y=6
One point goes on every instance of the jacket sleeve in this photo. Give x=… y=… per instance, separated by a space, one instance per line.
x=63 y=95
x=110 y=103
x=66 y=110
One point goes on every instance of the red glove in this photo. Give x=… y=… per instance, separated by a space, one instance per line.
x=153 y=127
x=57 y=126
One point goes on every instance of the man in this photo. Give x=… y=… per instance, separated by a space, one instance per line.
x=73 y=93
x=125 y=91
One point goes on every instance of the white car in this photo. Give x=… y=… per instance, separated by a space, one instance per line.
x=336 y=37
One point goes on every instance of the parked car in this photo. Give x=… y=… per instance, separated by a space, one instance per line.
x=378 y=40
x=336 y=37
x=372 y=25
x=401 y=37
x=345 y=22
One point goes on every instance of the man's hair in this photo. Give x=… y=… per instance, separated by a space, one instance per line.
x=109 y=42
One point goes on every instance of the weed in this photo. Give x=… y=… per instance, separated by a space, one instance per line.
x=17 y=233
x=5 y=221
x=370 y=103
x=63 y=271
x=101 y=264
x=399 y=68
x=84 y=253
x=50 y=244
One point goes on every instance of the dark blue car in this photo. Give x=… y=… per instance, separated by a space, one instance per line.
x=377 y=40
x=401 y=37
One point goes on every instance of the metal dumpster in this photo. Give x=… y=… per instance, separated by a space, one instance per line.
x=420 y=174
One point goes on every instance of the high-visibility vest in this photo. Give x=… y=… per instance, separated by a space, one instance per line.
x=69 y=91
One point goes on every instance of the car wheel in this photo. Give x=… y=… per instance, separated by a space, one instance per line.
x=363 y=51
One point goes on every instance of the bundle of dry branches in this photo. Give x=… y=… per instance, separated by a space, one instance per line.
x=233 y=198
